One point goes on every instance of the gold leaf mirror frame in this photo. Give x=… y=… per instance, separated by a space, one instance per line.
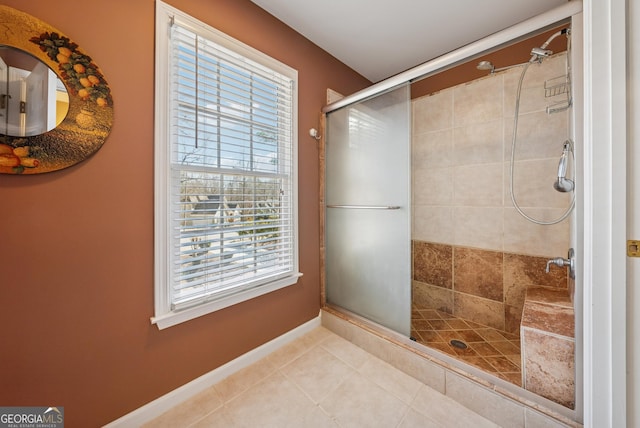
x=88 y=121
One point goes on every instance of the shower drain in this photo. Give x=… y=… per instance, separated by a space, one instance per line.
x=458 y=344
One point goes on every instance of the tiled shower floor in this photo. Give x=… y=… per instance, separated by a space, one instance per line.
x=491 y=350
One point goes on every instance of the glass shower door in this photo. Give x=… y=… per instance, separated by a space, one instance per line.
x=368 y=211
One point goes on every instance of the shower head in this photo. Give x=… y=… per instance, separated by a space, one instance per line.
x=488 y=65
x=485 y=65
x=563 y=184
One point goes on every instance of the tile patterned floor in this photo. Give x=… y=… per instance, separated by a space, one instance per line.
x=491 y=350
x=320 y=380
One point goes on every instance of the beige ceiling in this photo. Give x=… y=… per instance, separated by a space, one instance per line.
x=380 y=38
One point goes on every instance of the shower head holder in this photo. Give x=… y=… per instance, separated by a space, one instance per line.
x=538 y=54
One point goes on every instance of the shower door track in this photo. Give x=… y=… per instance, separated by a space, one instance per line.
x=465 y=53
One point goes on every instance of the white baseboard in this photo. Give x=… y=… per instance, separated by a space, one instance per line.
x=160 y=405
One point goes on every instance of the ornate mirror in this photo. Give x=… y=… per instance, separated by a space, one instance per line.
x=56 y=107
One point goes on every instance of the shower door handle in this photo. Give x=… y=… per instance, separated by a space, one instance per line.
x=366 y=207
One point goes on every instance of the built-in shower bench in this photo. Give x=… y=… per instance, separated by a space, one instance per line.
x=547 y=334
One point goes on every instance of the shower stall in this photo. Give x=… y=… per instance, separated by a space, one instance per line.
x=449 y=216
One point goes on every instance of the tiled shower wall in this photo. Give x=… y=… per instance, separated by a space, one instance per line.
x=487 y=287
x=461 y=147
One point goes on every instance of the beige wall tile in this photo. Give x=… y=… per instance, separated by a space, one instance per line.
x=433 y=112
x=432 y=223
x=479 y=143
x=478 y=185
x=524 y=237
x=478 y=101
x=531 y=97
x=533 y=184
x=433 y=186
x=458 y=194
x=432 y=149
x=479 y=227
x=533 y=93
x=540 y=135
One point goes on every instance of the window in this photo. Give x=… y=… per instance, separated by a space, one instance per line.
x=225 y=170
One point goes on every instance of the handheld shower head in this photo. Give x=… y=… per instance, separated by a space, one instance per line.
x=563 y=184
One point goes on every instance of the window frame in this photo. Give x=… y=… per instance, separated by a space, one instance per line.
x=164 y=315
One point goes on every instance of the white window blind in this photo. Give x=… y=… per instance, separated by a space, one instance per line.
x=232 y=201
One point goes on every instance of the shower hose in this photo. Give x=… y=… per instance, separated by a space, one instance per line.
x=512 y=162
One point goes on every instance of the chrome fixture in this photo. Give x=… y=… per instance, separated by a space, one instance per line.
x=558 y=261
x=570 y=262
x=563 y=184
x=537 y=54
x=488 y=65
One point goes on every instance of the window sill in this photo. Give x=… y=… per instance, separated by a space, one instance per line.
x=171 y=318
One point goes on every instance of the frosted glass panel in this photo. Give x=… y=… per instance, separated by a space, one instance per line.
x=368 y=244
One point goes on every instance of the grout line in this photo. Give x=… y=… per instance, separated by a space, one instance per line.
x=486 y=359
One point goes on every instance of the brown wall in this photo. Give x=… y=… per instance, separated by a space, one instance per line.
x=76 y=246
x=513 y=54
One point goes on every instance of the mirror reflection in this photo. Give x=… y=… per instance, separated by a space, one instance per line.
x=33 y=100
